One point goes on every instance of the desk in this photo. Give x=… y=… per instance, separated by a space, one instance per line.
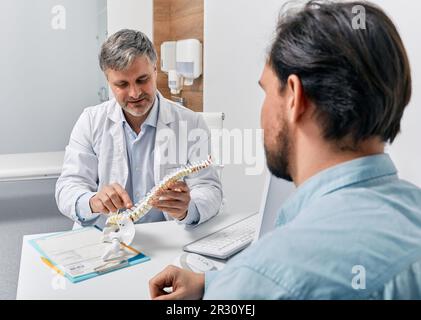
x=161 y=241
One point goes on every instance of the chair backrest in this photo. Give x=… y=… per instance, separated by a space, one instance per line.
x=215 y=123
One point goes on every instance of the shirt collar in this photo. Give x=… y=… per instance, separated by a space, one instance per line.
x=152 y=118
x=335 y=178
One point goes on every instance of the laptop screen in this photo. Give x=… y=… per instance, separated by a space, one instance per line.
x=275 y=192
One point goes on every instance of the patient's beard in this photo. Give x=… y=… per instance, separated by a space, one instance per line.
x=277 y=159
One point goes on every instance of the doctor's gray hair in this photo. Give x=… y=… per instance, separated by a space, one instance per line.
x=120 y=49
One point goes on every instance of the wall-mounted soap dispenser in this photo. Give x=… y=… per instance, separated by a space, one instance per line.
x=182 y=61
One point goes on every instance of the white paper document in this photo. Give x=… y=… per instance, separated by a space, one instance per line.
x=80 y=252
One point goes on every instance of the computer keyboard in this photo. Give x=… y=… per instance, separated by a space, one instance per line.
x=227 y=241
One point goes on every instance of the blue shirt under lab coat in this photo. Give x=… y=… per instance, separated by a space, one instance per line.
x=352 y=231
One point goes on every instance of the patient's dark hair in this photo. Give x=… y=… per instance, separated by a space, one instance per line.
x=358 y=79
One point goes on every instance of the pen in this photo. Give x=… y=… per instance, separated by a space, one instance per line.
x=49 y=264
x=130 y=248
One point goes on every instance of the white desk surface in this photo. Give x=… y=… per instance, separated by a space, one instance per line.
x=161 y=241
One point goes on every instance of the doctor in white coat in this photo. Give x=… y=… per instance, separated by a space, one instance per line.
x=120 y=149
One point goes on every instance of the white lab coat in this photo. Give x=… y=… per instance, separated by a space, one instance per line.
x=96 y=156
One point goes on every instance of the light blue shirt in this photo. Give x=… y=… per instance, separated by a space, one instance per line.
x=140 y=153
x=352 y=231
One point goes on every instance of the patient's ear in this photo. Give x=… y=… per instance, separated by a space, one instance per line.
x=296 y=101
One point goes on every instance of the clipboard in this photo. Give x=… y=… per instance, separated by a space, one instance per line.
x=77 y=254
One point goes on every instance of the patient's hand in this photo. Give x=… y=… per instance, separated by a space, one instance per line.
x=186 y=285
x=174 y=201
x=109 y=199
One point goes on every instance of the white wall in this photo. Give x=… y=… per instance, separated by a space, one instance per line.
x=237 y=34
x=130 y=14
x=48 y=76
x=406 y=150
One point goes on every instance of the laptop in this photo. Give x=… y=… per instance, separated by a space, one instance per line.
x=230 y=240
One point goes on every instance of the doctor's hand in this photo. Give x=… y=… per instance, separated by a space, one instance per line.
x=174 y=201
x=109 y=199
x=186 y=285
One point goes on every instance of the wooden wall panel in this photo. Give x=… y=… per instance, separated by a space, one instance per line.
x=178 y=20
x=161 y=31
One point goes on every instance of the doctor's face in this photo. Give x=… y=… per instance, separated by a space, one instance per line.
x=277 y=136
x=135 y=87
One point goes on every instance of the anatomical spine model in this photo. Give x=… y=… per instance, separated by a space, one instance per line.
x=120 y=226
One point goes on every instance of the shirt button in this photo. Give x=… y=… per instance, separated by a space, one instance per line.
x=137 y=194
x=137 y=169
